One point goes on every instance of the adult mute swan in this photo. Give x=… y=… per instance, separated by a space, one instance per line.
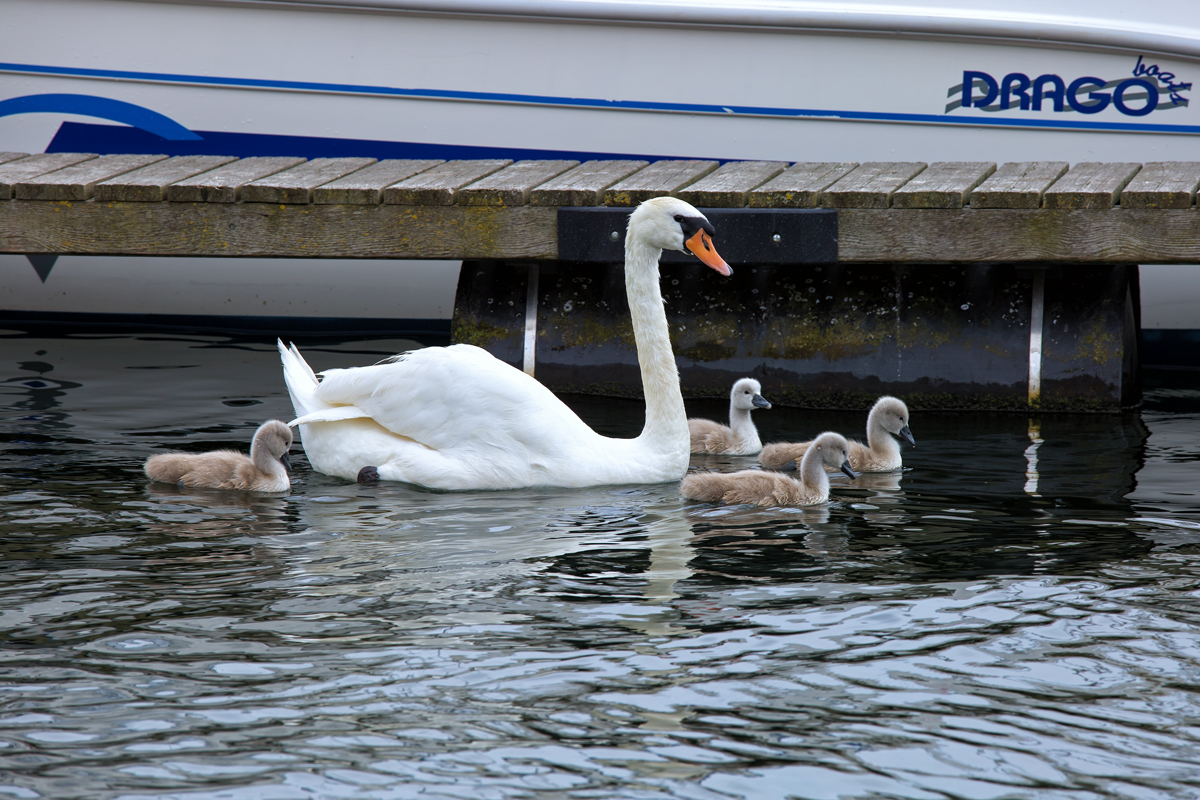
x=739 y=437
x=266 y=470
x=888 y=418
x=764 y=488
x=458 y=418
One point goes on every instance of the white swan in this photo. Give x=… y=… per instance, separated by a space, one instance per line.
x=265 y=470
x=764 y=488
x=739 y=437
x=888 y=418
x=458 y=418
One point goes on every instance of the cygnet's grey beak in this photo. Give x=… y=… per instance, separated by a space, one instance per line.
x=849 y=472
x=790 y=465
x=760 y=402
x=907 y=434
x=286 y=461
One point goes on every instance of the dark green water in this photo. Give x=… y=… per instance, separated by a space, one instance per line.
x=1001 y=621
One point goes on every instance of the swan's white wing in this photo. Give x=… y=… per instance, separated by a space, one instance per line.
x=449 y=398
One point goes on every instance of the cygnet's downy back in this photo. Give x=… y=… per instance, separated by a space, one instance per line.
x=888 y=419
x=264 y=470
x=739 y=437
x=764 y=488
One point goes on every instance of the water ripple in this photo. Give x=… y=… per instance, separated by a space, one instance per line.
x=935 y=633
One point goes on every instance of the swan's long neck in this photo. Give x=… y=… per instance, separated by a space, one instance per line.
x=742 y=426
x=880 y=440
x=260 y=454
x=812 y=472
x=666 y=421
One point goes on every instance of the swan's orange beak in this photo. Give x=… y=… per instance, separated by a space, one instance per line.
x=701 y=246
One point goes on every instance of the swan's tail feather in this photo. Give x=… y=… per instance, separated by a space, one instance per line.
x=296 y=352
x=301 y=381
x=334 y=414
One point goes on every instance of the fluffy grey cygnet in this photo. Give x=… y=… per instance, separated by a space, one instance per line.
x=764 y=488
x=739 y=437
x=888 y=418
x=265 y=470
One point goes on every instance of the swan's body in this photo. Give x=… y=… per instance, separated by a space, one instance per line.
x=888 y=418
x=265 y=470
x=458 y=418
x=739 y=437
x=764 y=488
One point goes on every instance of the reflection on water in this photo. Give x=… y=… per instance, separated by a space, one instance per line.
x=1031 y=471
x=1013 y=615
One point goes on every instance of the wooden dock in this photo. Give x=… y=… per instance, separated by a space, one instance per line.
x=958 y=212
x=1034 y=304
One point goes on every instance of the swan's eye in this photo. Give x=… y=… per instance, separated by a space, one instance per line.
x=679 y=217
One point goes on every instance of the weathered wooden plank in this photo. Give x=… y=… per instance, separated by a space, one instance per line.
x=5 y=157
x=657 y=180
x=511 y=186
x=149 y=184
x=276 y=230
x=365 y=187
x=1018 y=184
x=730 y=184
x=223 y=184
x=1090 y=185
x=584 y=185
x=25 y=168
x=1163 y=184
x=296 y=185
x=924 y=236
x=440 y=185
x=945 y=184
x=799 y=186
x=1083 y=236
x=78 y=181
x=870 y=185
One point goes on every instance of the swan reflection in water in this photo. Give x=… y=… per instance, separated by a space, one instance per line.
x=401 y=541
x=420 y=543
x=201 y=513
x=878 y=497
x=725 y=535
